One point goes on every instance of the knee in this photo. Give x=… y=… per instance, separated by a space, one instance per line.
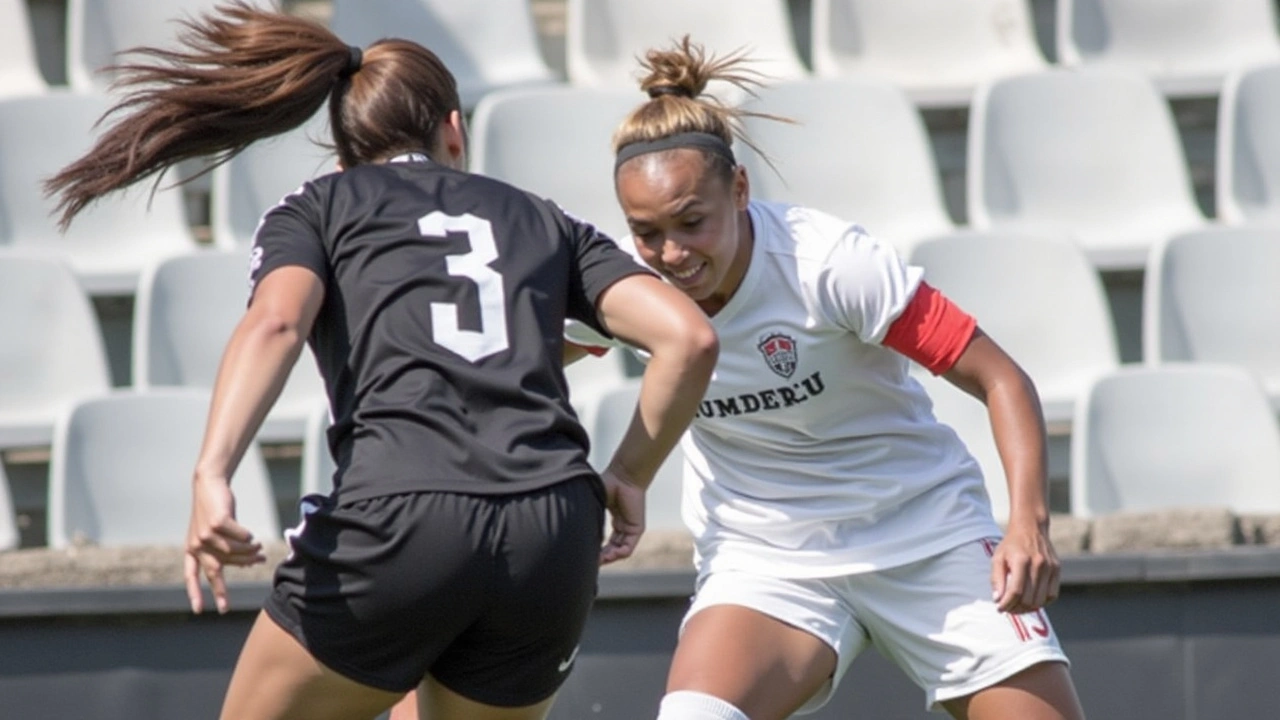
x=690 y=705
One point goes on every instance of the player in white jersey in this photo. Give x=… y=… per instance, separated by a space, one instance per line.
x=830 y=510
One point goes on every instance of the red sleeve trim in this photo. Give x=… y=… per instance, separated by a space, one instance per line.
x=595 y=350
x=931 y=330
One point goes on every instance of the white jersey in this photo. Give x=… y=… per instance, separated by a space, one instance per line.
x=814 y=453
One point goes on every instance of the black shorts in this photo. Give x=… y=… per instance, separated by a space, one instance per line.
x=486 y=593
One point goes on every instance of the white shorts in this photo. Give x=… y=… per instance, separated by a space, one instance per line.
x=933 y=618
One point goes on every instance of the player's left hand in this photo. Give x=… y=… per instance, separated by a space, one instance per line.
x=1025 y=571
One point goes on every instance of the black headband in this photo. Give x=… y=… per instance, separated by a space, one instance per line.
x=706 y=142
x=676 y=90
x=354 y=60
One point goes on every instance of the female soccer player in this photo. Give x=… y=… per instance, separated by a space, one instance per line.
x=830 y=510
x=434 y=301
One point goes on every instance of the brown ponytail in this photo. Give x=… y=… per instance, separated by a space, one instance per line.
x=676 y=81
x=244 y=74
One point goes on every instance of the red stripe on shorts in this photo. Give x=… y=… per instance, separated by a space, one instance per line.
x=1018 y=627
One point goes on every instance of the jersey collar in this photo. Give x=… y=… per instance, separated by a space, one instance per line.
x=410 y=157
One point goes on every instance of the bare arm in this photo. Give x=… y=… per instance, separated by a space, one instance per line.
x=1026 y=573
x=255 y=365
x=986 y=372
x=645 y=312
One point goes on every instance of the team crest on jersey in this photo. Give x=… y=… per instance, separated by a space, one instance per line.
x=780 y=353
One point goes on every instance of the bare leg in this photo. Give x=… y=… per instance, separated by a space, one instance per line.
x=761 y=665
x=1041 y=692
x=437 y=702
x=277 y=679
x=407 y=708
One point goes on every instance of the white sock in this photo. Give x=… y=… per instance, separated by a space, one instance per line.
x=690 y=705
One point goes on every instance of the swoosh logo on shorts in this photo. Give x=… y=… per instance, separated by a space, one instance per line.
x=567 y=662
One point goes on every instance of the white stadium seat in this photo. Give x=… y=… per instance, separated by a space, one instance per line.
x=19 y=72
x=1214 y=296
x=52 y=352
x=1247 y=177
x=487 y=44
x=121 y=468
x=112 y=240
x=187 y=308
x=604 y=38
x=1187 y=47
x=939 y=52
x=858 y=150
x=1175 y=436
x=555 y=142
x=1038 y=298
x=1090 y=155
x=99 y=30
x=253 y=182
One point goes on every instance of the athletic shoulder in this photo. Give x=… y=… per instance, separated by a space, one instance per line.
x=848 y=276
x=808 y=234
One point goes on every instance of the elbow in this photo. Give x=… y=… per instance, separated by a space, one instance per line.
x=705 y=348
x=700 y=346
x=273 y=328
x=1014 y=386
x=1021 y=381
x=684 y=342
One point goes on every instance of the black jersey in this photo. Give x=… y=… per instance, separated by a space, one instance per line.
x=441 y=332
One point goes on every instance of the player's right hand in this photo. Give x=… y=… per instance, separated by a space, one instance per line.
x=1025 y=570
x=215 y=539
x=626 y=516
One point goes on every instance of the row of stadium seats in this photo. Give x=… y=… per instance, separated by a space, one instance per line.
x=117 y=468
x=1090 y=156
x=1093 y=156
x=1150 y=438
x=185 y=311
x=938 y=51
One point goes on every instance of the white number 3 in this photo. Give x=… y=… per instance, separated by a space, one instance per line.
x=474 y=265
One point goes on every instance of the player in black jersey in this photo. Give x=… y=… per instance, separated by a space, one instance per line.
x=461 y=545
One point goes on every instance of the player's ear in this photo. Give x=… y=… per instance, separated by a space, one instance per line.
x=740 y=188
x=453 y=139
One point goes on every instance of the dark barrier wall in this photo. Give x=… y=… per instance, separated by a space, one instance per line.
x=1165 y=637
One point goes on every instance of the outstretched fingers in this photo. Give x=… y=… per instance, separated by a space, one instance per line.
x=194 y=565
